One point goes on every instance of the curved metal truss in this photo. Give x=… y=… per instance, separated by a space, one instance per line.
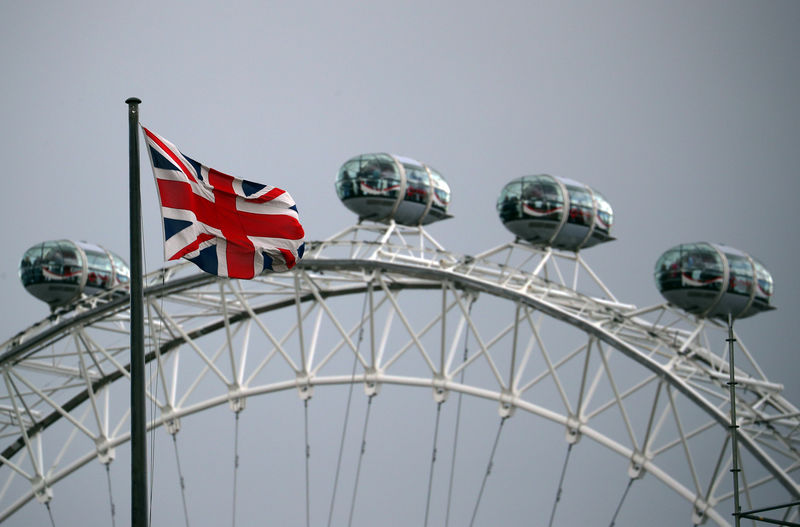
x=383 y=304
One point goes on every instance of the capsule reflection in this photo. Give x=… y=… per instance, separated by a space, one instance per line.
x=383 y=187
x=558 y=212
x=712 y=280
x=58 y=272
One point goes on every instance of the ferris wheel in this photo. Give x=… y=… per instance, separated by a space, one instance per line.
x=511 y=381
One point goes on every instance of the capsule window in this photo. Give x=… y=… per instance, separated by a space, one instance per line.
x=668 y=270
x=29 y=270
x=509 y=202
x=346 y=183
x=542 y=198
x=581 y=205
x=763 y=281
x=441 y=191
x=740 y=279
x=121 y=272
x=99 y=269
x=605 y=216
x=417 y=183
x=702 y=267
x=58 y=262
x=367 y=176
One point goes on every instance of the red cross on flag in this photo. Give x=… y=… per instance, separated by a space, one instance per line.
x=227 y=226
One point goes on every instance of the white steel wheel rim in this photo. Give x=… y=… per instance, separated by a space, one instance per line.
x=456 y=282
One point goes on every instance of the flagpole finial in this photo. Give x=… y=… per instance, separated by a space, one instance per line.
x=133 y=100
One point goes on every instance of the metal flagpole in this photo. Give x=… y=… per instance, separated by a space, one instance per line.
x=138 y=409
x=734 y=445
x=738 y=514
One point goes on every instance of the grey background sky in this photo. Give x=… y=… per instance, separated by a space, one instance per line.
x=683 y=113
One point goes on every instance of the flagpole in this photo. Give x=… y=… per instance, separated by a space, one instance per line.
x=139 y=512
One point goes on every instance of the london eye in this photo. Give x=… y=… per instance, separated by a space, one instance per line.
x=572 y=398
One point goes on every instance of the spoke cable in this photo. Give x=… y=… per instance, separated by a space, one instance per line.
x=360 y=458
x=181 y=479
x=153 y=399
x=308 y=455
x=619 y=506
x=488 y=470
x=433 y=460
x=458 y=422
x=110 y=496
x=152 y=448
x=560 y=485
x=50 y=514
x=153 y=379
x=347 y=410
x=235 y=465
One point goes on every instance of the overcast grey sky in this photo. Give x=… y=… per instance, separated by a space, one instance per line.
x=683 y=114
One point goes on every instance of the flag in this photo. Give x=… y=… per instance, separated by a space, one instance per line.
x=227 y=226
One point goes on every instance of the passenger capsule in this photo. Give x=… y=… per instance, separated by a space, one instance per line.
x=58 y=272
x=553 y=211
x=382 y=187
x=712 y=280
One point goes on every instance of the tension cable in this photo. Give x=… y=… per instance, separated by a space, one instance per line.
x=560 y=485
x=180 y=479
x=50 y=513
x=308 y=455
x=347 y=408
x=488 y=469
x=619 y=506
x=110 y=496
x=433 y=460
x=235 y=465
x=360 y=458
x=153 y=380
x=458 y=422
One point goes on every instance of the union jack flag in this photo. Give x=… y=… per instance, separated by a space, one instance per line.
x=227 y=226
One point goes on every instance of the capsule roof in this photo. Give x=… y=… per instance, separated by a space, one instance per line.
x=58 y=272
x=714 y=280
x=553 y=211
x=383 y=187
